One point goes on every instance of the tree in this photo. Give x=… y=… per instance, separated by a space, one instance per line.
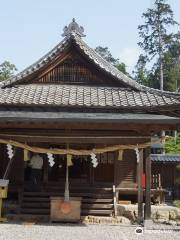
x=122 y=67
x=105 y=53
x=141 y=74
x=172 y=65
x=154 y=35
x=171 y=62
x=7 y=70
x=172 y=145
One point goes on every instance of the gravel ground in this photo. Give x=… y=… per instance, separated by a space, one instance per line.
x=83 y=232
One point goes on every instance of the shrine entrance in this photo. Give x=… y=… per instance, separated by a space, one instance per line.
x=79 y=169
x=104 y=172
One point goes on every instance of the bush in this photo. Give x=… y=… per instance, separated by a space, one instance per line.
x=172 y=146
x=177 y=203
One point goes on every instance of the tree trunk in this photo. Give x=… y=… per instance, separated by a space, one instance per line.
x=161 y=75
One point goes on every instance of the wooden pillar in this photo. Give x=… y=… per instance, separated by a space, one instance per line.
x=45 y=170
x=140 y=189
x=147 y=212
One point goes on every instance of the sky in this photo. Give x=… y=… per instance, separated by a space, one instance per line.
x=30 y=28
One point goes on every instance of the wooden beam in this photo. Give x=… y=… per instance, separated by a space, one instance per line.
x=149 y=128
x=76 y=139
x=147 y=213
x=69 y=132
x=140 y=189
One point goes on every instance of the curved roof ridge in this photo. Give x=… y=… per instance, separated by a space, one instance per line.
x=93 y=56
x=160 y=92
x=91 y=53
x=36 y=65
x=104 y=64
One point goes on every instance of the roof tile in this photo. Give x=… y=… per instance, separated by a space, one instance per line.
x=73 y=95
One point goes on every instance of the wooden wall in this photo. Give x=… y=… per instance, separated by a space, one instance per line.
x=3 y=160
x=104 y=172
x=169 y=175
x=17 y=169
x=125 y=170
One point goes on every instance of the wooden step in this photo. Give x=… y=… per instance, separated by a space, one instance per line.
x=41 y=211
x=99 y=200
x=47 y=211
x=76 y=187
x=28 y=217
x=38 y=203
x=35 y=199
x=47 y=205
x=96 y=212
x=42 y=194
x=59 y=191
x=35 y=205
x=84 y=200
x=85 y=194
x=97 y=206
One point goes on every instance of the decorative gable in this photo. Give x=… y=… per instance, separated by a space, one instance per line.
x=57 y=67
x=72 y=68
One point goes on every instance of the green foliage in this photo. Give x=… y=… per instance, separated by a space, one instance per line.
x=178 y=166
x=154 y=32
x=122 y=67
x=177 y=203
x=7 y=70
x=105 y=53
x=141 y=73
x=172 y=145
x=172 y=65
x=158 y=43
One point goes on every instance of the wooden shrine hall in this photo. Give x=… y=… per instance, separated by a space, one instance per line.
x=82 y=116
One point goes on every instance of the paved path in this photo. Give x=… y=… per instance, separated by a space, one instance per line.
x=81 y=232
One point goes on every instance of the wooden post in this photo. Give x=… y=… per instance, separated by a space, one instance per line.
x=147 y=212
x=45 y=170
x=140 y=189
x=114 y=201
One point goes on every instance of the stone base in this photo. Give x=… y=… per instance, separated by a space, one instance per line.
x=120 y=220
x=3 y=219
x=159 y=213
x=148 y=223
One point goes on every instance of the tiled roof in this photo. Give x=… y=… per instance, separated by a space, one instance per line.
x=82 y=96
x=165 y=158
x=12 y=92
